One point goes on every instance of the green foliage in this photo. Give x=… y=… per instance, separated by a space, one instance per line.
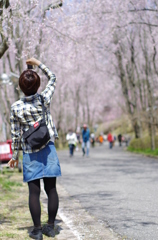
x=147 y=152
x=143 y=145
x=7 y=184
x=121 y=125
x=9 y=235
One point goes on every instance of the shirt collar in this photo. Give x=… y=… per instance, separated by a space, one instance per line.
x=30 y=98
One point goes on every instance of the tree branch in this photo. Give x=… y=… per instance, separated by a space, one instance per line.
x=143 y=9
x=144 y=23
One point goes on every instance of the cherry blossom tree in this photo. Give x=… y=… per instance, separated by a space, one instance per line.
x=103 y=52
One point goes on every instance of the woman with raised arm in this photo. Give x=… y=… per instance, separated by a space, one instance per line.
x=42 y=162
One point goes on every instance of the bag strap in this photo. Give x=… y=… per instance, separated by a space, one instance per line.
x=32 y=129
x=43 y=107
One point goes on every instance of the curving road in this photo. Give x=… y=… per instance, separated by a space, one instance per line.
x=117 y=187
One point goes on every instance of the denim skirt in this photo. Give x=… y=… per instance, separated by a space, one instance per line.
x=43 y=163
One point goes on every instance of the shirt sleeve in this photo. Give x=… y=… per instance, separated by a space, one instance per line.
x=67 y=137
x=15 y=134
x=50 y=88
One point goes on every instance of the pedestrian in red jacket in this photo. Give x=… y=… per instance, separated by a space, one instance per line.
x=110 y=140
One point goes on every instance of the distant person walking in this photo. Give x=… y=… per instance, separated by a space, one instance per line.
x=72 y=141
x=120 y=139
x=114 y=140
x=101 y=139
x=78 y=135
x=126 y=139
x=110 y=140
x=29 y=115
x=92 y=139
x=85 y=140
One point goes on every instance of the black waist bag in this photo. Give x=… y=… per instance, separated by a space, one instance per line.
x=38 y=134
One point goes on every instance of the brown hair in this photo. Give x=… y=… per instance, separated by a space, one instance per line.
x=29 y=82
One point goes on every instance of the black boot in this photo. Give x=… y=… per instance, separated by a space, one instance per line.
x=83 y=151
x=36 y=234
x=48 y=230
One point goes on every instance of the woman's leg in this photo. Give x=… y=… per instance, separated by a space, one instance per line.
x=88 y=146
x=34 y=202
x=73 y=147
x=70 y=149
x=83 y=148
x=53 y=200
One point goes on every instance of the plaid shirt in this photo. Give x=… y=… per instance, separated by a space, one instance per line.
x=28 y=110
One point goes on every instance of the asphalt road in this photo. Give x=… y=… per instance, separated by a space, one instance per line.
x=116 y=187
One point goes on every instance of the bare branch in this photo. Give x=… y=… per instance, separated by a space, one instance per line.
x=144 y=23
x=144 y=9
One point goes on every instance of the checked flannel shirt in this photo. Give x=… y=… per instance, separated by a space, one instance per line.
x=28 y=110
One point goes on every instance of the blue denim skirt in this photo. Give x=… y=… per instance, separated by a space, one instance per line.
x=43 y=163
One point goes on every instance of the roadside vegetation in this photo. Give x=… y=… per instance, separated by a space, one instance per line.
x=143 y=146
x=123 y=125
x=15 y=219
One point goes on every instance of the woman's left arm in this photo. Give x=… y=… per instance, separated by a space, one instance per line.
x=51 y=85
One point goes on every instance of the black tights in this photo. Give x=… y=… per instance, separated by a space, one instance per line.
x=34 y=200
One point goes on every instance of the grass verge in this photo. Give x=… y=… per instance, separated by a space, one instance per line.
x=15 y=219
x=147 y=152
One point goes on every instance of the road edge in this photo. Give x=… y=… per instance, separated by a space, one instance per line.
x=76 y=222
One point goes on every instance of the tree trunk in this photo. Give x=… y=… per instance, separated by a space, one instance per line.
x=151 y=128
x=4 y=41
x=131 y=105
x=77 y=102
x=137 y=128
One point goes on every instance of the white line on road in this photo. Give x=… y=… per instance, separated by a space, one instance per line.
x=69 y=223
x=66 y=220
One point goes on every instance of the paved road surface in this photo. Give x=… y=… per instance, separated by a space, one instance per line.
x=116 y=187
